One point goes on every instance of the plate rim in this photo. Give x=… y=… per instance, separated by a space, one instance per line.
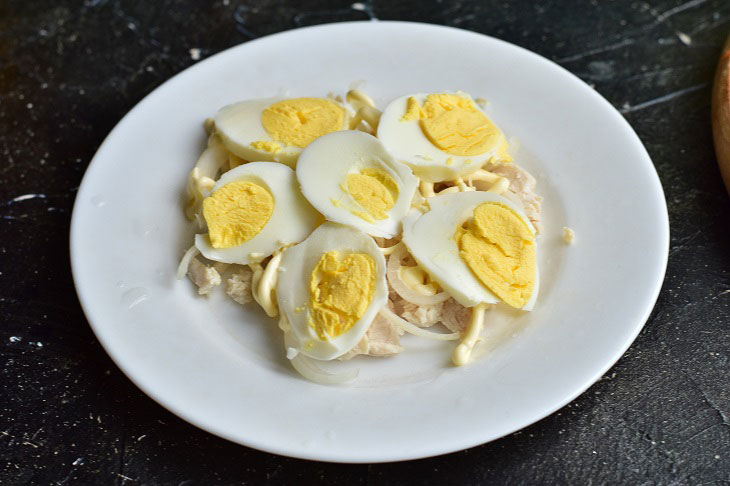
x=284 y=450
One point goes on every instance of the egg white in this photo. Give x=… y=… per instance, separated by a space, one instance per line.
x=292 y=292
x=239 y=125
x=429 y=238
x=408 y=144
x=323 y=168
x=291 y=221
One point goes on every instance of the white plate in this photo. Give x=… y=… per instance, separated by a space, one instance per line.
x=221 y=366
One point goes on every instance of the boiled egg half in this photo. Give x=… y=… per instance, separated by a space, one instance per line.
x=252 y=211
x=277 y=129
x=478 y=246
x=332 y=286
x=441 y=136
x=351 y=179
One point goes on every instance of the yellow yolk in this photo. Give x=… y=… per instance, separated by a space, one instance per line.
x=237 y=212
x=413 y=109
x=374 y=190
x=503 y=151
x=271 y=147
x=453 y=124
x=499 y=248
x=299 y=121
x=340 y=291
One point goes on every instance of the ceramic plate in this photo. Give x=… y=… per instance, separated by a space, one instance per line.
x=221 y=366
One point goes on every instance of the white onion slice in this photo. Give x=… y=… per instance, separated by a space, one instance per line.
x=413 y=329
x=403 y=290
x=182 y=269
x=307 y=367
x=212 y=158
x=389 y=250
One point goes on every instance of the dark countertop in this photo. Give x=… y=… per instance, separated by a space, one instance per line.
x=70 y=70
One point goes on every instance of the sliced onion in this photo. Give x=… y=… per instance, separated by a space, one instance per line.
x=267 y=284
x=389 y=250
x=413 y=329
x=182 y=269
x=212 y=158
x=307 y=367
x=404 y=291
x=309 y=370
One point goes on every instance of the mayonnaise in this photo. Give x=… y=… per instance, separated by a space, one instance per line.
x=463 y=351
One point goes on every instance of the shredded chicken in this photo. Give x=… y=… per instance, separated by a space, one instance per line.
x=381 y=339
x=455 y=316
x=421 y=315
x=221 y=267
x=521 y=189
x=205 y=277
x=239 y=286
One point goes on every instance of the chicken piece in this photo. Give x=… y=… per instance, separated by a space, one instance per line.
x=521 y=189
x=421 y=315
x=239 y=286
x=455 y=316
x=203 y=276
x=221 y=267
x=395 y=301
x=381 y=339
x=520 y=181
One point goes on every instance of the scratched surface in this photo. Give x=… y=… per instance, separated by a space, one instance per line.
x=69 y=70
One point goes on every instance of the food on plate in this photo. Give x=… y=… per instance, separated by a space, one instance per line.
x=355 y=226
x=334 y=288
x=277 y=129
x=350 y=178
x=253 y=211
x=478 y=246
x=568 y=235
x=441 y=136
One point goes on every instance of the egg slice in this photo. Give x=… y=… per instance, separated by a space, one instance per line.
x=351 y=179
x=478 y=246
x=252 y=211
x=441 y=136
x=277 y=129
x=332 y=286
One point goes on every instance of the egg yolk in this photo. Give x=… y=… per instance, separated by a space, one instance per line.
x=341 y=288
x=453 y=124
x=237 y=212
x=499 y=248
x=374 y=190
x=266 y=145
x=299 y=121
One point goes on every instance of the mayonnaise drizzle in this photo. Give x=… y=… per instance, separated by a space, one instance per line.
x=263 y=284
x=463 y=351
x=364 y=109
x=414 y=277
x=500 y=186
x=498 y=183
x=358 y=98
x=202 y=178
x=427 y=189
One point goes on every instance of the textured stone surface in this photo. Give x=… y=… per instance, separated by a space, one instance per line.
x=69 y=70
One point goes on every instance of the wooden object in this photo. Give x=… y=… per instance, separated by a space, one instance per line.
x=721 y=113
